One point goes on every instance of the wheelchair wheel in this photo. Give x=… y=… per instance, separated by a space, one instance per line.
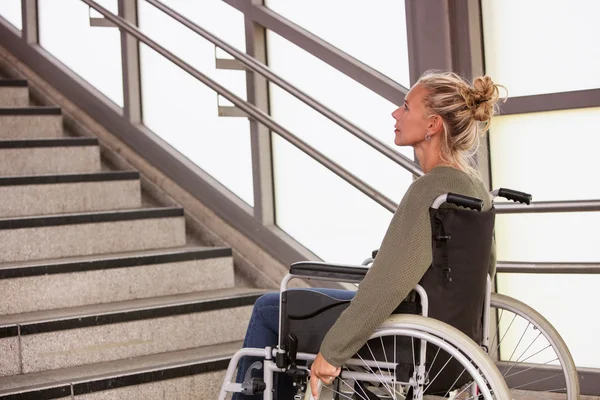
x=532 y=355
x=390 y=365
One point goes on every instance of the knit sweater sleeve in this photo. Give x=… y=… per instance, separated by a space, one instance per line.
x=402 y=260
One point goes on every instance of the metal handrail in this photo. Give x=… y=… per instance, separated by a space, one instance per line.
x=249 y=109
x=263 y=70
x=548 y=207
x=547 y=267
x=356 y=70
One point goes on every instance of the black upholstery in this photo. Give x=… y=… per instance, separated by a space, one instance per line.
x=315 y=269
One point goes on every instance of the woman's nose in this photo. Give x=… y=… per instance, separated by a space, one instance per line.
x=396 y=113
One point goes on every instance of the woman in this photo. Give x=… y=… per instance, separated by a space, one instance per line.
x=442 y=118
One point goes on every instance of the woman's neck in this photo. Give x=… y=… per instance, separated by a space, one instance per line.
x=430 y=157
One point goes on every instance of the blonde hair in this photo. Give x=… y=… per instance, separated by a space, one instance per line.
x=466 y=111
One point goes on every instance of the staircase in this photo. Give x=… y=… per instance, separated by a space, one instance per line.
x=104 y=295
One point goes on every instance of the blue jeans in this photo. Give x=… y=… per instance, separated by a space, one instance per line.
x=263 y=331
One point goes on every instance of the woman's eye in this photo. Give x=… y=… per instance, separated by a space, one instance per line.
x=405 y=107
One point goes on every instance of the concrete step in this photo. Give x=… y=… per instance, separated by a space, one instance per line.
x=69 y=337
x=30 y=122
x=49 y=156
x=180 y=375
x=69 y=193
x=69 y=235
x=78 y=281
x=14 y=93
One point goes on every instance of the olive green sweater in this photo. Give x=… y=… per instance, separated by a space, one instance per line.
x=403 y=258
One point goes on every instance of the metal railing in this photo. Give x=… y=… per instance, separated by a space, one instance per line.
x=263 y=70
x=547 y=267
x=548 y=207
x=254 y=111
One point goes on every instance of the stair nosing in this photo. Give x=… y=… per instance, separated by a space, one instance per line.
x=41 y=110
x=48 y=143
x=102 y=262
x=107 y=380
x=92 y=386
x=101 y=314
x=13 y=83
x=87 y=177
x=90 y=217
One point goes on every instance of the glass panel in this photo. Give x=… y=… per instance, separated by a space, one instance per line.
x=356 y=103
x=324 y=213
x=10 y=10
x=94 y=53
x=564 y=300
x=552 y=155
x=556 y=237
x=533 y=48
x=182 y=110
x=374 y=32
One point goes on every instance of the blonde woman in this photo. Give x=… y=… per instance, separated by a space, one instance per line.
x=443 y=118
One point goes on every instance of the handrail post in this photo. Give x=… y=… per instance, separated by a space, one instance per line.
x=257 y=89
x=466 y=35
x=29 y=29
x=130 y=59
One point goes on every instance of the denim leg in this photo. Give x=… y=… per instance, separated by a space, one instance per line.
x=263 y=331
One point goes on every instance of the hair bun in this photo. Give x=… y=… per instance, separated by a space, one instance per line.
x=482 y=97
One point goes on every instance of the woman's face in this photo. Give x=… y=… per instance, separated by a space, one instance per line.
x=412 y=121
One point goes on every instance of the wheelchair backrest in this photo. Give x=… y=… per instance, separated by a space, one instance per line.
x=456 y=280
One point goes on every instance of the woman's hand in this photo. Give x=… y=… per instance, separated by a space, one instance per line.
x=322 y=370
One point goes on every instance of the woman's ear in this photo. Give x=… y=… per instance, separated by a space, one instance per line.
x=435 y=124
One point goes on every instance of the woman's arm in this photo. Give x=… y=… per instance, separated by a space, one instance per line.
x=403 y=258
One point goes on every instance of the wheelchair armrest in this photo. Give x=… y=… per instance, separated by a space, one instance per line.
x=338 y=272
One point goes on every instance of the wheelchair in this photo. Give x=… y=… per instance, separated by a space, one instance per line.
x=430 y=348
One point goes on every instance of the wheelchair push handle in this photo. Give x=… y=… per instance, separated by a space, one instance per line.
x=515 y=195
x=465 y=201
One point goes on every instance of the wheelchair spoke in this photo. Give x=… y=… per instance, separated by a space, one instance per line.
x=342 y=394
x=438 y=374
x=539 y=380
x=353 y=389
x=433 y=362
x=503 y=336
x=412 y=340
x=497 y=330
x=451 y=387
x=385 y=355
x=381 y=373
x=374 y=373
x=530 y=368
x=517 y=346
x=528 y=347
x=519 y=361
